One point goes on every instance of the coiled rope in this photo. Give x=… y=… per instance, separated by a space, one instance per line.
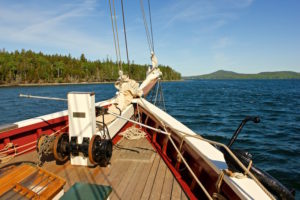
x=133 y=133
x=4 y=157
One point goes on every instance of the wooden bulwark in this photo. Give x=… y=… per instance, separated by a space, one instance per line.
x=202 y=169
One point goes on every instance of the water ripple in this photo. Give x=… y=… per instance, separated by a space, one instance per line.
x=213 y=108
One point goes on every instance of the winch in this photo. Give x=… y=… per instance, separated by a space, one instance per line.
x=84 y=144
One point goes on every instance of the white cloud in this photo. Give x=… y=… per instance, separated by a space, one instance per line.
x=52 y=27
x=222 y=60
x=214 y=11
x=222 y=43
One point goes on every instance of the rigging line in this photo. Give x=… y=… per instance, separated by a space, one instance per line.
x=112 y=26
x=124 y=26
x=151 y=25
x=146 y=26
x=116 y=26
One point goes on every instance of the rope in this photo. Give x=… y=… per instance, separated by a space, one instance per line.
x=139 y=116
x=149 y=40
x=8 y=158
x=59 y=130
x=116 y=26
x=4 y=157
x=159 y=96
x=16 y=148
x=113 y=29
x=189 y=168
x=151 y=25
x=45 y=149
x=248 y=168
x=218 y=196
x=133 y=133
x=162 y=98
x=219 y=181
x=124 y=26
x=206 y=140
x=7 y=146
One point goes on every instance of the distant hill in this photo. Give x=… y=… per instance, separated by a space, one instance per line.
x=222 y=74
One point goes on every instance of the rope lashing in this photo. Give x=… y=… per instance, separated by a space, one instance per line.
x=219 y=181
x=248 y=168
x=7 y=146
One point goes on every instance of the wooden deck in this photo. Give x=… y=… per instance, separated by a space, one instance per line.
x=136 y=172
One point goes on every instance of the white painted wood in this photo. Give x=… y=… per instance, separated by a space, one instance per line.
x=42 y=118
x=54 y=115
x=82 y=121
x=118 y=123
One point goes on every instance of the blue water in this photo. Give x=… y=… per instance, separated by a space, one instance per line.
x=211 y=108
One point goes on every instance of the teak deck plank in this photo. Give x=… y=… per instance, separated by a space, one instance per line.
x=166 y=192
x=133 y=184
x=176 y=190
x=141 y=182
x=150 y=179
x=136 y=172
x=159 y=181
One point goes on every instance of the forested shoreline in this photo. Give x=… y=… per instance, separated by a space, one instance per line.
x=28 y=67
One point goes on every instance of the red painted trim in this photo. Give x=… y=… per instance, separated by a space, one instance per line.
x=34 y=126
x=27 y=134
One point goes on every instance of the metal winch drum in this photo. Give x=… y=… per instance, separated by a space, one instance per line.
x=83 y=144
x=98 y=150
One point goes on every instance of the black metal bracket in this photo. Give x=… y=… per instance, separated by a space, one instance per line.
x=74 y=146
x=100 y=110
x=84 y=146
x=255 y=119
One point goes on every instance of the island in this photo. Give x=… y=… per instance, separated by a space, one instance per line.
x=223 y=75
x=28 y=67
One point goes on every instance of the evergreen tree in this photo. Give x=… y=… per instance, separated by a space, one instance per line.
x=29 y=67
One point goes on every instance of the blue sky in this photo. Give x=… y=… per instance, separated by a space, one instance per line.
x=193 y=37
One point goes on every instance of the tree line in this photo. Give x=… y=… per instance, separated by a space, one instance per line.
x=23 y=66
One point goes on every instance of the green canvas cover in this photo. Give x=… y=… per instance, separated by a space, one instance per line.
x=82 y=191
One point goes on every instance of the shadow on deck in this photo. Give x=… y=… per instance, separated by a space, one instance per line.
x=136 y=172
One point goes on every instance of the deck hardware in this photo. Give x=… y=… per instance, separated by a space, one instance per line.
x=255 y=119
x=100 y=151
x=84 y=146
x=74 y=150
x=61 y=147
